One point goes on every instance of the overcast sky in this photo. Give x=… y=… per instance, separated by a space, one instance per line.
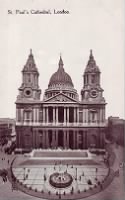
x=91 y=24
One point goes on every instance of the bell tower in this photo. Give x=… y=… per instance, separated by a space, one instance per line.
x=92 y=91
x=30 y=75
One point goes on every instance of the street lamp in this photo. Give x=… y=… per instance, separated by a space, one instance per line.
x=24 y=173
x=76 y=173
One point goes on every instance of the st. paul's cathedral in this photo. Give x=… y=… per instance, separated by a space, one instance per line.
x=60 y=119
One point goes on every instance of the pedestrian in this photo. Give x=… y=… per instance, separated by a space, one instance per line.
x=101 y=186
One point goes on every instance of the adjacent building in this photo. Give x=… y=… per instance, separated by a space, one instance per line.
x=116 y=130
x=7 y=129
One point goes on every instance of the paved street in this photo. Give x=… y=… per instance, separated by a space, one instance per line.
x=113 y=192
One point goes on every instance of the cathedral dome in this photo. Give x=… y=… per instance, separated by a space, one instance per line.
x=60 y=77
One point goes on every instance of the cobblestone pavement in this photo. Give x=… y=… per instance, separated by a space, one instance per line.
x=113 y=192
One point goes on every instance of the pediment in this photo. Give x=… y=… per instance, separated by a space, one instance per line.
x=60 y=98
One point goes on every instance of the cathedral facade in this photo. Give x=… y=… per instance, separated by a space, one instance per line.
x=60 y=119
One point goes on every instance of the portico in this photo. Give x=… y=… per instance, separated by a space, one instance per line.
x=60 y=114
x=68 y=138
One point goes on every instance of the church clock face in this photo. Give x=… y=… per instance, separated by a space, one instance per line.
x=28 y=92
x=93 y=93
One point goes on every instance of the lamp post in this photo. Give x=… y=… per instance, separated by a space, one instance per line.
x=24 y=174
x=96 y=169
x=76 y=173
x=45 y=174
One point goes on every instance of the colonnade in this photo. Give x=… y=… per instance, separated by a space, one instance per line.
x=65 y=139
x=71 y=114
x=66 y=116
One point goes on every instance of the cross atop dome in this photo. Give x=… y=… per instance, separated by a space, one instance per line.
x=60 y=62
x=91 y=54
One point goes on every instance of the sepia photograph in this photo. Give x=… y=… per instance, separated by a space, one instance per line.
x=62 y=120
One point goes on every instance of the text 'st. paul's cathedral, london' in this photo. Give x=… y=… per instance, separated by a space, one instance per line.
x=60 y=119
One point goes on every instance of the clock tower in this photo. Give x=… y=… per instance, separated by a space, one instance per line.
x=29 y=89
x=92 y=91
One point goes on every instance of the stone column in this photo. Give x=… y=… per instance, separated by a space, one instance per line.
x=37 y=114
x=54 y=115
x=43 y=114
x=57 y=115
x=67 y=138
x=22 y=116
x=53 y=139
x=74 y=140
x=83 y=115
x=47 y=117
x=84 y=137
x=56 y=138
x=67 y=115
x=77 y=139
x=44 y=139
x=47 y=139
x=34 y=118
x=101 y=115
x=78 y=115
x=17 y=110
x=33 y=139
x=37 y=138
x=87 y=115
x=64 y=136
x=74 y=114
x=64 y=115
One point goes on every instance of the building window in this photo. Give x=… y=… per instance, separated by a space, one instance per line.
x=28 y=116
x=80 y=117
x=93 y=79
x=19 y=115
x=81 y=139
x=29 y=78
x=41 y=116
x=50 y=114
x=71 y=114
x=93 y=116
x=27 y=140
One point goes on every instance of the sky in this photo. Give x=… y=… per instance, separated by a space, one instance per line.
x=90 y=24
